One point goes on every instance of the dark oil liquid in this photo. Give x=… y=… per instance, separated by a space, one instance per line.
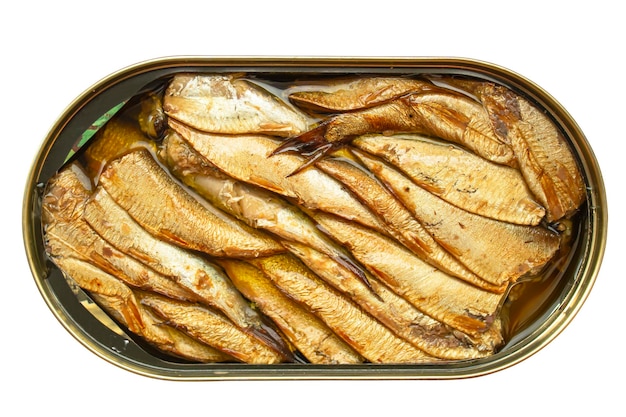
x=534 y=296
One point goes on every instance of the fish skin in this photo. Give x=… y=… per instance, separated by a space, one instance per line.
x=65 y=195
x=94 y=280
x=169 y=339
x=257 y=207
x=459 y=177
x=164 y=337
x=395 y=312
x=211 y=328
x=145 y=190
x=119 y=135
x=449 y=116
x=441 y=296
x=305 y=331
x=542 y=153
x=461 y=120
x=67 y=234
x=229 y=104
x=311 y=188
x=120 y=302
x=193 y=272
x=400 y=222
x=351 y=94
x=366 y=335
x=498 y=252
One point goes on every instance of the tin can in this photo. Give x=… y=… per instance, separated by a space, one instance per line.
x=97 y=332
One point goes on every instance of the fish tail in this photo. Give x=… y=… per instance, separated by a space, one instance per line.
x=305 y=144
x=353 y=267
x=311 y=145
x=271 y=338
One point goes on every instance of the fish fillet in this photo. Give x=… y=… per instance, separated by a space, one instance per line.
x=306 y=331
x=257 y=207
x=400 y=222
x=366 y=335
x=227 y=103
x=352 y=94
x=67 y=234
x=121 y=303
x=193 y=272
x=212 y=328
x=498 y=252
x=246 y=158
x=545 y=159
x=395 y=312
x=435 y=293
x=143 y=188
x=459 y=177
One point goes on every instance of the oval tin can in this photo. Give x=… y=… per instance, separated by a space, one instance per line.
x=80 y=316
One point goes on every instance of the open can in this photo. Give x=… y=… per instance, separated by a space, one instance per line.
x=554 y=307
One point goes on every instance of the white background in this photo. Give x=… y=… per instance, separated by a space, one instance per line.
x=53 y=51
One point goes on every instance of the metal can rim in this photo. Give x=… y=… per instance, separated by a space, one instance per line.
x=130 y=79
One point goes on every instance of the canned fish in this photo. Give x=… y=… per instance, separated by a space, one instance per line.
x=220 y=218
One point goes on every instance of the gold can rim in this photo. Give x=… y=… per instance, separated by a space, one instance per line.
x=128 y=81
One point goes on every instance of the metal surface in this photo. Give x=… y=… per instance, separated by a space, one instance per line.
x=72 y=307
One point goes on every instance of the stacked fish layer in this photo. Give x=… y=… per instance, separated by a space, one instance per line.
x=375 y=219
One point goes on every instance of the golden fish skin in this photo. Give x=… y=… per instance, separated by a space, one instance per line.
x=144 y=189
x=245 y=158
x=367 y=336
x=164 y=337
x=544 y=158
x=303 y=329
x=169 y=339
x=549 y=165
x=459 y=177
x=94 y=280
x=65 y=196
x=441 y=296
x=399 y=221
x=118 y=136
x=450 y=116
x=257 y=207
x=229 y=104
x=100 y=268
x=120 y=302
x=395 y=312
x=194 y=273
x=211 y=328
x=498 y=252
x=67 y=234
x=352 y=94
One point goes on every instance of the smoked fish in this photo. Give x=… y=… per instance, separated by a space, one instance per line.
x=355 y=93
x=256 y=206
x=400 y=222
x=147 y=192
x=210 y=327
x=459 y=177
x=499 y=252
x=366 y=335
x=541 y=151
x=437 y=294
x=207 y=280
x=230 y=104
x=400 y=316
x=245 y=158
x=305 y=330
